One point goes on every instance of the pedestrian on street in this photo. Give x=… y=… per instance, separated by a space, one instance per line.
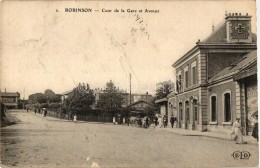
x=147 y=122
x=237 y=131
x=45 y=112
x=172 y=120
x=35 y=110
x=155 y=121
x=164 y=121
x=160 y=121
x=143 y=122
x=255 y=128
x=128 y=120
x=124 y=120
x=75 y=118
x=114 y=120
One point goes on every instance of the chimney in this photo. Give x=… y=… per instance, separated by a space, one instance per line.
x=238 y=27
x=213 y=28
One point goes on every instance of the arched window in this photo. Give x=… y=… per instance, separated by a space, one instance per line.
x=180 y=111
x=227 y=107
x=213 y=108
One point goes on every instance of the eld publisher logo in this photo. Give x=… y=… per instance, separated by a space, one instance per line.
x=241 y=155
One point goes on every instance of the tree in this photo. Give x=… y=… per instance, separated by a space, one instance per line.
x=81 y=99
x=37 y=98
x=51 y=96
x=111 y=100
x=163 y=90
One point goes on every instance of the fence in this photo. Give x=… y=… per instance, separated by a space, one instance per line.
x=80 y=117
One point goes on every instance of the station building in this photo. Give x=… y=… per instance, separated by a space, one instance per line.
x=196 y=73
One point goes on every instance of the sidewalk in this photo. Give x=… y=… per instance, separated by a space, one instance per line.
x=248 y=139
x=8 y=119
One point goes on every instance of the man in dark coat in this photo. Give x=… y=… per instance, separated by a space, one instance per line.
x=172 y=120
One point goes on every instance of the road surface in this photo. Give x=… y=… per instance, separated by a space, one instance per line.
x=42 y=142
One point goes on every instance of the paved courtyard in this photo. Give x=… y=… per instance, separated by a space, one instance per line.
x=37 y=142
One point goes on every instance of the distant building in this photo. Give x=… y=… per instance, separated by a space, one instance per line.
x=126 y=97
x=65 y=95
x=140 y=105
x=10 y=99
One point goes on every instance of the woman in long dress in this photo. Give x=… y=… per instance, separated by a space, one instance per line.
x=237 y=131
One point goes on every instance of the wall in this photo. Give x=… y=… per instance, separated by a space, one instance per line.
x=219 y=90
x=219 y=61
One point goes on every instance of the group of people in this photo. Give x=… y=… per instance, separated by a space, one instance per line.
x=237 y=130
x=117 y=120
x=38 y=110
x=163 y=121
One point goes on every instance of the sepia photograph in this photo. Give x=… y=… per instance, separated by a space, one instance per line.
x=128 y=84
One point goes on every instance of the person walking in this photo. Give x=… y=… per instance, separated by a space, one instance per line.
x=124 y=120
x=172 y=120
x=237 y=131
x=255 y=128
x=164 y=121
x=114 y=120
x=147 y=122
x=155 y=121
x=160 y=121
x=75 y=118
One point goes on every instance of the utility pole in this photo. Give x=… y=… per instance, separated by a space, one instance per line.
x=23 y=97
x=130 y=90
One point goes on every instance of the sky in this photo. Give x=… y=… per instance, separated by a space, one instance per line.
x=44 y=47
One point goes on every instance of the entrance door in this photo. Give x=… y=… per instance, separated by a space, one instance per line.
x=180 y=119
x=187 y=114
x=195 y=115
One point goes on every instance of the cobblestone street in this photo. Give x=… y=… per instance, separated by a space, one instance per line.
x=39 y=142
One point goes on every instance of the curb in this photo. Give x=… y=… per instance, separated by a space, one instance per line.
x=208 y=136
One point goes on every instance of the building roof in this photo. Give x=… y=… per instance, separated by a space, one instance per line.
x=10 y=94
x=140 y=101
x=217 y=38
x=67 y=92
x=220 y=36
x=161 y=100
x=245 y=62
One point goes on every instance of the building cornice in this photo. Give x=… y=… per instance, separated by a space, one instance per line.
x=209 y=46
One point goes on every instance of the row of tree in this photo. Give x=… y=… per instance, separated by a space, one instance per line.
x=82 y=99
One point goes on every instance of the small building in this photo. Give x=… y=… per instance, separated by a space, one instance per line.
x=141 y=106
x=10 y=99
x=65 y=95
x=167 y=106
